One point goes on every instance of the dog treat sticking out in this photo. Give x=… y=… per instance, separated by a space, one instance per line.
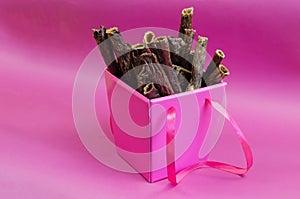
x=186 y=20
x=161 y=65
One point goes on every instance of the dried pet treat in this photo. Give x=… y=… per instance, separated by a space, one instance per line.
x=137 y=50
x=183 y=71
x=215 y=62
x=106 y=50
x=148 y=40
x=187 y=34
x=198 y=63
x=223 y=71
x=152 y=72
x=217 y=75
x=149 y=37
x=160 y=47
x=188 y=39
x=162 y=51
x=122 y=51
x=186 y=20
x=183 y=75
x=175 y=44
x=217 y=59
x=164 y=65
x=151 y=91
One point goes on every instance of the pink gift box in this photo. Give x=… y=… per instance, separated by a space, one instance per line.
x=139 y=126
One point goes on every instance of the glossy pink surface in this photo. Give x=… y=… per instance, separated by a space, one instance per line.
x=42 y=46
x=144 y=146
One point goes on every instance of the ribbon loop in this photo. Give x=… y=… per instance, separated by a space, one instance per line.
x=176 y=177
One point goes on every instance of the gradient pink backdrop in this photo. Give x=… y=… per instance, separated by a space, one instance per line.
x=42 y=44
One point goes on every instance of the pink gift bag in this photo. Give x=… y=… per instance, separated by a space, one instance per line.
x=163 y=137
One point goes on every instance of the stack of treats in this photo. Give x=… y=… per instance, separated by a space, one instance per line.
x=164 y=65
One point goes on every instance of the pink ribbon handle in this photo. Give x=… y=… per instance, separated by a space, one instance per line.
x=176 y=177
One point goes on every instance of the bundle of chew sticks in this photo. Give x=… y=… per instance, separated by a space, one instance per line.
x=164 y=65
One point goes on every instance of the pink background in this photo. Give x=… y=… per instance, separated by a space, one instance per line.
x=42 y=44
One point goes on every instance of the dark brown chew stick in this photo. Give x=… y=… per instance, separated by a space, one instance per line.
x=150 y=91
x=223 y=71
x=149 y=37
x=217 y=75
x=150 y=71
x=106 y=49
x=183 y=76
x=198 y=63
x=122 y=51
x=175 y=44
x=183 y=71
x=137 y=50
x=148 y=40
x=186 y=20
x=188 y=39
x=215 y=62
x=162 y=51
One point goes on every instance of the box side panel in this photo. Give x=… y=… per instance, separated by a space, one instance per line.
x=130 y=124
x=216 y=124
x=193 y=118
